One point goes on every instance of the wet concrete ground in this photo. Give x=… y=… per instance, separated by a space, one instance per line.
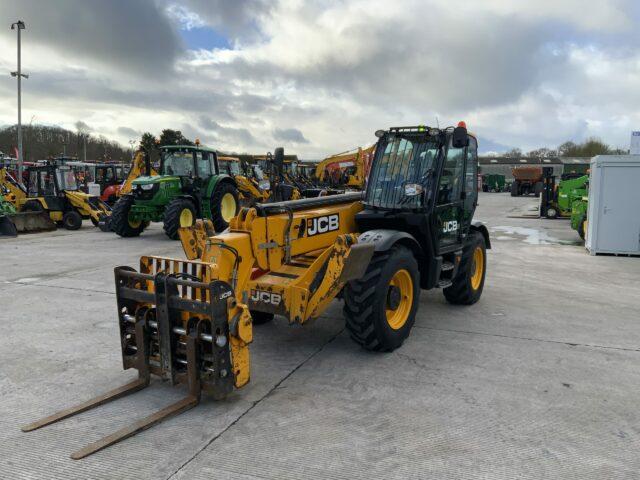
x=540 y=379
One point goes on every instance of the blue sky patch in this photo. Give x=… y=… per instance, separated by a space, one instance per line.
x=204 y=38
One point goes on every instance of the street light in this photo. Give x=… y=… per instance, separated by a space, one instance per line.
x=19 y=25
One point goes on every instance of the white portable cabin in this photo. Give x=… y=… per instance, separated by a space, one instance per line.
x=614 y=205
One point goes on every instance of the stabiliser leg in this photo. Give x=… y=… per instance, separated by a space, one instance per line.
x=181 y=406
x=139 y=384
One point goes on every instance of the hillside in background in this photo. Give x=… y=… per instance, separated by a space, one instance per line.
x=41 y=142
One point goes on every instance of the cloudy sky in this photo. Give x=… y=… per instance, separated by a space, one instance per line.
x=319 y=77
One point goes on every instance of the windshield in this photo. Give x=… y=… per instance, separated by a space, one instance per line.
x=258 y=173
x=66 y=179
x=177 y=163
x=399 y=162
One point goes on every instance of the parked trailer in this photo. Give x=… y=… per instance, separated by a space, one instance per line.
x=526 y=180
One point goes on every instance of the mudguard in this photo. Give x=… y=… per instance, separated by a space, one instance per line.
x=481 y=227
x=384 y=239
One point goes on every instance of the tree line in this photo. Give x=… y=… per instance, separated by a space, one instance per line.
x=589 y=148
x=40 y=142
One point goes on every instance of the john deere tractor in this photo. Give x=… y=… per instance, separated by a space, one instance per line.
x=190 y=186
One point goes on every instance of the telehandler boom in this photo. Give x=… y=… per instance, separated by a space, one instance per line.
x=191 y=320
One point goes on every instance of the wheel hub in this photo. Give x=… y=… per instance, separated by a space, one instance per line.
x=393 y=297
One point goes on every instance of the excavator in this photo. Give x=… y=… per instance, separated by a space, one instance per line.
x=190 y=320
x=348 y=169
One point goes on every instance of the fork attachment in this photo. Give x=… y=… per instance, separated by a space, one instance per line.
x=172 y=325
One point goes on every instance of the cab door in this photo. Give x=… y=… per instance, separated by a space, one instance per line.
x=449 y=205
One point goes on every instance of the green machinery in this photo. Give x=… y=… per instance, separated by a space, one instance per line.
x=557 y=199
x=579 y=210
x=189 y=186
x=493 y=182
x=7 y=228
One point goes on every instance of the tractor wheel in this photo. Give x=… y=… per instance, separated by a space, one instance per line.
x=469 y=281
x=259 y=318
x=179 y=213
x=120 y=222
x=72 y=220
x=224 y=205
x=582 y=228
x=552 y=213
x=380 y=308
x=514 y=189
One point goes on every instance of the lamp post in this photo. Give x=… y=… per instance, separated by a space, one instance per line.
x=19 y=25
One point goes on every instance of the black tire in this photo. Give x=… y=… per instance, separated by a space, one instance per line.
x=120 y=219
x=464 y=291
x=514 y=189
x=581 y=225
x=72 y=220
x=220 y=223
x=260 y=318
x=552 y=213
x=539 y=186
x=173 y=216
x=367 y=300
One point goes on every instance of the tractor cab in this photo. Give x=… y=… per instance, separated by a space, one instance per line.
x=423 y=181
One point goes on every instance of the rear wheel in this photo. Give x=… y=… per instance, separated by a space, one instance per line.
x=380 y=308
x=120 y=221
x=469 y=281
x=582 y=228
x=224 y=205
x=72 y=220
x=179 y=213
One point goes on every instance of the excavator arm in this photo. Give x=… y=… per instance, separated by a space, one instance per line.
x=138 y=169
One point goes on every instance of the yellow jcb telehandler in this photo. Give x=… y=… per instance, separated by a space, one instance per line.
x=190 y=320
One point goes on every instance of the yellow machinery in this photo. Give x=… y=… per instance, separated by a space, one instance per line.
x=252 y=186
x=191 y=320
x=53 y=189
x=348 y=169
x=12 y=221
x=139 y=166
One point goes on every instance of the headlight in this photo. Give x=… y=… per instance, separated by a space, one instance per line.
x=147 y=186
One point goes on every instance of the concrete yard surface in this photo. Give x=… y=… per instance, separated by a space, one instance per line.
x=540 y=379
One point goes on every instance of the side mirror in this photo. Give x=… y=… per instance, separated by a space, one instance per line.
x=460 y=139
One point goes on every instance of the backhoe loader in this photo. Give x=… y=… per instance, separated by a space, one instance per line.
x=252 y=186
x=190 y=321
x=53 y=189
x=12 y=221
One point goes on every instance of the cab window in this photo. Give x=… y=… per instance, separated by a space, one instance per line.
x=451 y=178
x=203 y=164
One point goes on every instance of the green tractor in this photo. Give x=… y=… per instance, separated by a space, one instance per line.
x=189 y=186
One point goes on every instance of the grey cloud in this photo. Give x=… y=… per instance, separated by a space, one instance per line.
x=228 y=135
x=289 y=135
x=132 y=35
x=128 y=132
x=235 y=18
x=83 y=127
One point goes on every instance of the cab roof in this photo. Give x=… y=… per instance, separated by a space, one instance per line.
x=200 y=148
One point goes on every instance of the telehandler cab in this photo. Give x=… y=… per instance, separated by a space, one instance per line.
x=190 y=320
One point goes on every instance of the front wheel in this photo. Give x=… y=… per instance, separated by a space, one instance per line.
x=121 y=223
x=224 y=205
x=380 y=308
x=469 y=281
x=72 y=220
x=179 y=213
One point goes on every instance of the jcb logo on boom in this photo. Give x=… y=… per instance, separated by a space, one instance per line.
x=324 y=224
x=266 y=297
x=451 y=226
